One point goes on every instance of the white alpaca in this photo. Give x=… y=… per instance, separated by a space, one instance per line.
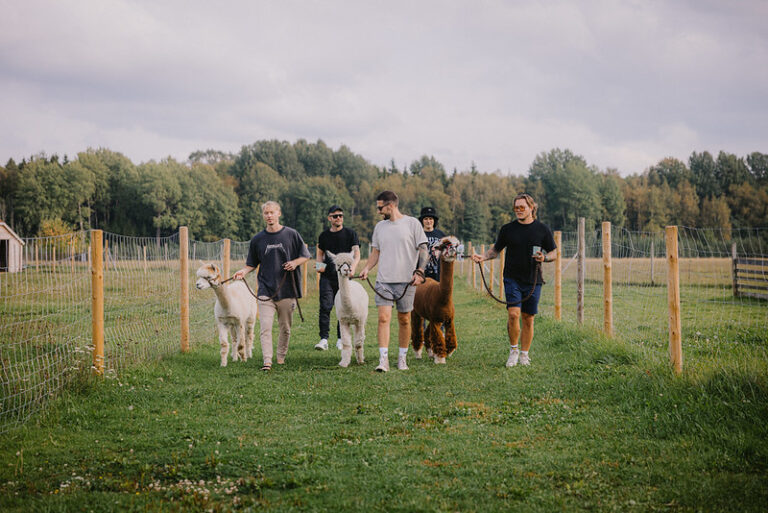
x=351 y=304
x=235 y=312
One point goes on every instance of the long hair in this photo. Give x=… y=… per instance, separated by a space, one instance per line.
x=528 y=199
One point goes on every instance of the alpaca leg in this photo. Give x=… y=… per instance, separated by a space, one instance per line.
x=437 y=341
x=233 y=333
x=346 y=344
x=451 y=341
x=360 y=342
x=250 y=333
x=224 y=342
x=417 y=334
x=241 y=352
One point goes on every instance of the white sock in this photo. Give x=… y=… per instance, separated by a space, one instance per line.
x=524 y=353
x=513 y=348
x=403 y=351
x=384 y=352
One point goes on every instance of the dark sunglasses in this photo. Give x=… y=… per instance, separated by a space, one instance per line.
x=336 y=216
x=379 y=207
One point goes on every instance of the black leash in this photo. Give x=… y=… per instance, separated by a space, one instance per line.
x=282 y=281
x=490 y=292
x=394 y=300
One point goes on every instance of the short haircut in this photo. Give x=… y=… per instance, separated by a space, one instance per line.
x=268 y=204
x=388 y=197
x=528 y=199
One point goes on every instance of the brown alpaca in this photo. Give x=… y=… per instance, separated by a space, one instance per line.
x=434 y=303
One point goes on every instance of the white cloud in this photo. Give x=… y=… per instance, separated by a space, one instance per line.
x=494 y=82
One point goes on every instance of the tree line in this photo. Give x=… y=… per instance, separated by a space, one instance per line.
x=218 y=194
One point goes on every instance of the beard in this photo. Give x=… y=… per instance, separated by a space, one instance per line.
x=386 y=216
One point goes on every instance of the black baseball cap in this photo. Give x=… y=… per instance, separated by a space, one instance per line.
x=335 y=208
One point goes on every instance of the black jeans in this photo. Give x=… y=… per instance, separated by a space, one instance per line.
x=328 y=290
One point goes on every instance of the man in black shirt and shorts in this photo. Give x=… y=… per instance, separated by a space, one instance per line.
x=527 y=241
x=337 y=239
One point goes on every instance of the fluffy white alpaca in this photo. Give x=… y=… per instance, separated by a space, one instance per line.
x=351 y=304
x=235 y=312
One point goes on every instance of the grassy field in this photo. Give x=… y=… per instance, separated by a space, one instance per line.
x=593 y=424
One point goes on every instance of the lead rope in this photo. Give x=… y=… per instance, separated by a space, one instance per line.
x=485 y=284
x=282 y=281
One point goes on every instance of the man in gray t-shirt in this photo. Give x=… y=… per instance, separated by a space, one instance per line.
x=400 y=247
x=277 y=251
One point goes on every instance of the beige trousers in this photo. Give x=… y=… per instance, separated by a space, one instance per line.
x=267 y=309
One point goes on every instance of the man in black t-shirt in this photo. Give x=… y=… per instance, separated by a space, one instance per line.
x=277 y=251
x=337 y=239
x=428 y=218
x=527 y=241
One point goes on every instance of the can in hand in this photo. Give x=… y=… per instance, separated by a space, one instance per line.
x=536 y=249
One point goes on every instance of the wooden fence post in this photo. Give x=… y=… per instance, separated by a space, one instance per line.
x=225 y=252
x=491 y=274
x=501 y=273
x=304 y=275
x=581 y=263
x=482 y=252
x=734 y=270
x=652 y=255
x=607 y=281
x=144 y=248
x=184 y=265
x=473 y=266
x=673 y=295
x=558 y=276
x=97 y=301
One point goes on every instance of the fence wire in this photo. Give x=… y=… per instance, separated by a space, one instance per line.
x=713 y=317
x=45 y=324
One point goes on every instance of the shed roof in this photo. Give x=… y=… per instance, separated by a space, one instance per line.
x=10 y=231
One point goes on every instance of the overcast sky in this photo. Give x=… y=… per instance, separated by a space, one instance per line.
x=623 y=84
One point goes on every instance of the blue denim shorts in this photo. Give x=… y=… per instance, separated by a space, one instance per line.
x=515 y=291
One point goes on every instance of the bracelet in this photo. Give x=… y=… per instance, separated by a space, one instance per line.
x=419 y=272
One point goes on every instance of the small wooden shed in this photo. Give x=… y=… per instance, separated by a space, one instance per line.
x=11 y=250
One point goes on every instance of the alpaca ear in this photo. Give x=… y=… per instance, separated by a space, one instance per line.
x=330 y=255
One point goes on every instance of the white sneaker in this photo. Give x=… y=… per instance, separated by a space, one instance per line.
x=322 y=345
x=338 y=344
x=524 y=359
x=383 y=365
x=513 y=358
x=401 y=364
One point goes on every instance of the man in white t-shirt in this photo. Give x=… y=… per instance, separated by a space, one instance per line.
x=400 y=247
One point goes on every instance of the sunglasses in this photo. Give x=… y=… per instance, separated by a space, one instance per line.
x=520 y=209
x=336 y=216
x=379 y=207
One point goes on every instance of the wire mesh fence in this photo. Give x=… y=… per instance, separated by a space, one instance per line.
x=45 y=324
x=45 y=310
x=711 y=312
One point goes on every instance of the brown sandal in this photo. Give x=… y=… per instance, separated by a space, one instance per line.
x=266 y=367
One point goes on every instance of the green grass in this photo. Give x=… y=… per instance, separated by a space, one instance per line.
x=593 y=424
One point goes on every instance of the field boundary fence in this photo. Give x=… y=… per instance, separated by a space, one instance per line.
x=713 y=310
x=48 y=339
x=47 y=336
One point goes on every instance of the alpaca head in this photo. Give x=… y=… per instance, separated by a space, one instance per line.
x=343 y=263
x=447 y=249
x=207 y=275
